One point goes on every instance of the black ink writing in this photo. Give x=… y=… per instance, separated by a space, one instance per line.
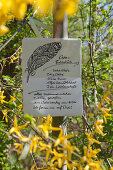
x=40 y=56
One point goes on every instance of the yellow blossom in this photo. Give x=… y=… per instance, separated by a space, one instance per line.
x=43 y=6
x=2 y=97
x=91 y=139
x=62 y=139
x=89 y=154
x=13 y=58
x=41 y=120
x=34 y=143
x=69 y=148
x=107 y=99
x=20 y=107
x=105 y=113
x=93 y=152
x=10 y=9
x=3 y=30
x=98 y=127
x=46 y=127
x=86 y=156
x=12 y=98
x=19 y=10
x=104 y=98
x=17 y=129
x=24 y=139
x=33 y=166
x=5 y=115
x=19 y=146
x=73 y=165
x=67 y=7
x=47 y=147
x=80 y=167
x=52 y=166
x=59 y=158
x=94 y=165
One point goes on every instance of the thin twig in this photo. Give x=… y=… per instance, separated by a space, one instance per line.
x=91 y=44
x=34 y=160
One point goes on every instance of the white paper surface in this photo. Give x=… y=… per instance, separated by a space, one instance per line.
x=52 y=77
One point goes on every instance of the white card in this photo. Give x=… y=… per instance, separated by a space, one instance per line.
x=52 y=77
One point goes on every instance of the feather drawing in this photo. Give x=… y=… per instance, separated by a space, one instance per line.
x=40 y=56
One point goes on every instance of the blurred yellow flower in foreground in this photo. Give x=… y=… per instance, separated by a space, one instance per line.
x=43 y=6
x=67 y=7
x=3 y=30
x=19 y=10
x=16 y=9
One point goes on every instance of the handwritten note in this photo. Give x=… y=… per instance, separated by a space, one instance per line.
x=52 y=77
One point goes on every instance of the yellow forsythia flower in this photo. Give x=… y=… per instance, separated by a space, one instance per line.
x=104 y=98
x=43 y=6
x=3 y=30
x=61 y=139
x=73 y=165
x=47 y=147
x=91 y=139
x=20 y=107
x=34 y=143
x=19 y=146
x=12 y=98
x=46 y=127
x=5 y=115
x=16 y=9
x=59 y=158
x=13 y=58
x=33 y=166
x=94 y=165
x=98 y=127
x=17 y=129
x=89 y=154
x=19 y=10
x=2 y=97
x=67 y=7
x=69 y=148
x=105 y=113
